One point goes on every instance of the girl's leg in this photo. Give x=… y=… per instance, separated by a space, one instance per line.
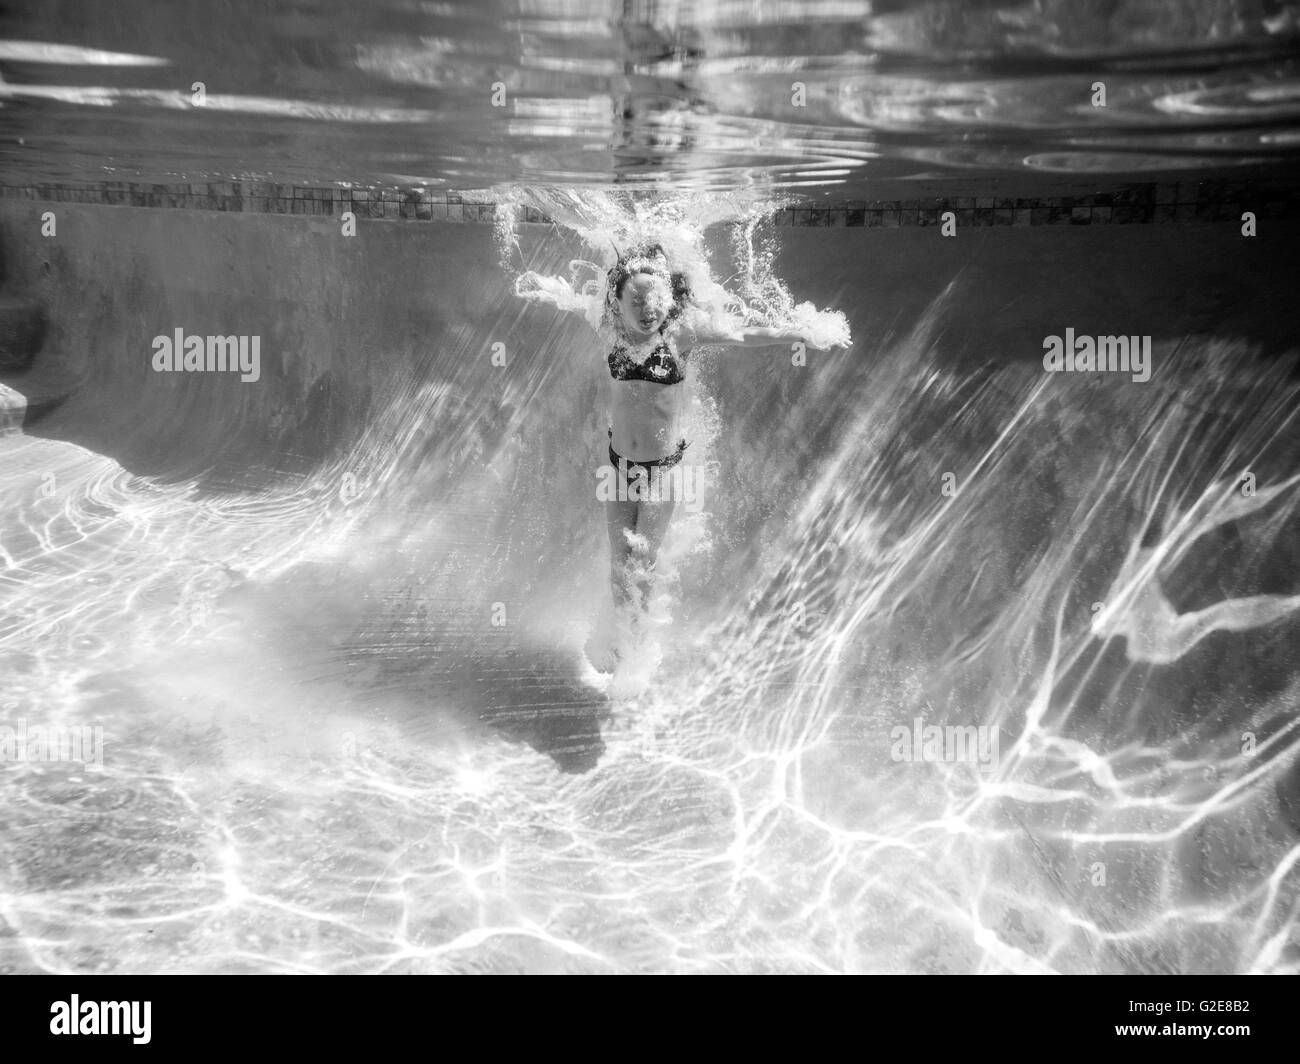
x=620 y=519
x=604 y=642
x=652 y=520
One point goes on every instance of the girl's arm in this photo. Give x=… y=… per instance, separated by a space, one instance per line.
x=751 y=336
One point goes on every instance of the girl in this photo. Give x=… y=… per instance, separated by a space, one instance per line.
x=646 y=305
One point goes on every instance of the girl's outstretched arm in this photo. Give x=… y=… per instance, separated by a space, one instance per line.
x=751 y=336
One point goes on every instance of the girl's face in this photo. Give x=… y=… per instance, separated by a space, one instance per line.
x=645 y=303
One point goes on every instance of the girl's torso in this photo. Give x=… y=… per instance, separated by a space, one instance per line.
x=647 y=394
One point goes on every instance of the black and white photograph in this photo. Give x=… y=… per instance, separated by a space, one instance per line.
x=650 y=487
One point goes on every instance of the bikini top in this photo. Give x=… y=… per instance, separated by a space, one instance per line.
x=663 y=366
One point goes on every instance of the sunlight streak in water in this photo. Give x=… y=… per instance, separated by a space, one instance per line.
x=71 y=55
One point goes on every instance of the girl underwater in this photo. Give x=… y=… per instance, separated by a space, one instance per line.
x=655 y=325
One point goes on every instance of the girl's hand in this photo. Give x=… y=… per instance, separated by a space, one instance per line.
x=813 y=347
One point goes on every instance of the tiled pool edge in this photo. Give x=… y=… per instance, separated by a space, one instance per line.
x=1135 y=204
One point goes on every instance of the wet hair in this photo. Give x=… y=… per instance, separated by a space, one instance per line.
x=648 y=259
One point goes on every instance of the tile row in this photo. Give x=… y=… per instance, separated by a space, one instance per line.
x=1182 y=202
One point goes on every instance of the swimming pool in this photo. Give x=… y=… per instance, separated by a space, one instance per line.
x=963 y=663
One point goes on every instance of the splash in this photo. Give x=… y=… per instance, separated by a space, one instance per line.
x=607 y=223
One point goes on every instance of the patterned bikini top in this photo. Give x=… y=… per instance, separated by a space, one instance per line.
x=663 y=366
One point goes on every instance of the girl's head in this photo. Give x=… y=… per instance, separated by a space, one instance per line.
x=643 y=292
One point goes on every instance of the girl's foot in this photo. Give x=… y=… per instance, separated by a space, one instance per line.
x=602 y=650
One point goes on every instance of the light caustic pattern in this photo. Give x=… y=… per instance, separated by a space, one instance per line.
x=1104 y=584
x=1138 y=818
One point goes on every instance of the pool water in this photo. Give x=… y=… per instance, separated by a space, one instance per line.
x=322 y=632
